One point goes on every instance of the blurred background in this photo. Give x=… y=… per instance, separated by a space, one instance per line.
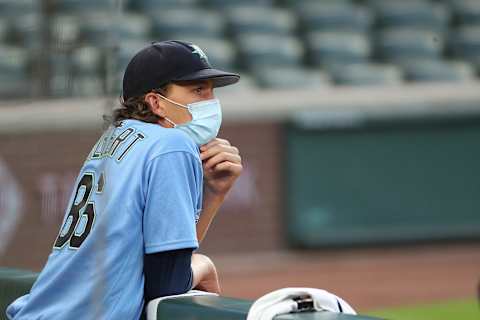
x=358 y=122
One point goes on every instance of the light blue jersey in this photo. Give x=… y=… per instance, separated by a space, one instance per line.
x=139 y=191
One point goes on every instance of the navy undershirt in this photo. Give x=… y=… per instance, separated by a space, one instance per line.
x=167 y=273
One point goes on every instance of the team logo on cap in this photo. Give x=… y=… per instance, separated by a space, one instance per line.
x=197 y=50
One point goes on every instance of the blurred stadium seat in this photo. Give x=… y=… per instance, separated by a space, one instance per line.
x=155 y=5
x=14 y=71
x=326 y=48
x=222 y=4
x=464 y=43
x=83 y=6
x=438 y=71
x=65 y=30
x=99 y=28
x=422 y=15
x=26 y=31
x=10 y=8
x=406 y=43
x=264 y=50
x=4 y=30
x=296 y=3
x=290 y=78
x=465 y=11
x=366 y=74
x=61 y=74
x=87 y=86
x=252 y=19
x=134 y=26
x=333 y=16
x=13 y=59
x=169 y=23
x=87 y=60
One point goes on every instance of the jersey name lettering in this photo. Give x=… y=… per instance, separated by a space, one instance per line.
x=110 y=144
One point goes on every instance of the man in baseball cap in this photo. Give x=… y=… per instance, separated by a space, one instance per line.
x=145 y=196
x=170 y=61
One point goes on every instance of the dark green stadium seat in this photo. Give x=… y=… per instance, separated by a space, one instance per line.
x=413 y=14
x=366 y=74
x=134 y=26
x=26 y=31
x=87 y=86
x=4 y=30
x=97 y=28
x=65 y=30
x=405 y=43
x=15 y=86
x=61 y=73
x=222 y=4
x=156 y=5
x=466 y=12
x=10 y=8
x=253 y=19
x=87 y=60
x=60 y=85
x=334 y=16
x=268 y=50
x=290 y=78
x=13 y=60
x=198 y=22
x=60 y=62
x=464 y=43
x=295 y=4
x=438 y=71
x=338 y=48
x=103 y=29
x=84 y=6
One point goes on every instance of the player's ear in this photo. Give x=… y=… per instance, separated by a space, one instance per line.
x=157 y=104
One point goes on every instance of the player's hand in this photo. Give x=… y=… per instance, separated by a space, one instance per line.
x=222 y=165
x=205 y=275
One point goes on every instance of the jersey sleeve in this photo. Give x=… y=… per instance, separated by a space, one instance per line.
x=174 y=186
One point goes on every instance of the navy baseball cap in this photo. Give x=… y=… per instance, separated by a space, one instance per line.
x=170 y=61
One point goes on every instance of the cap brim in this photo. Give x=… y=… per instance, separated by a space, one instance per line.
x=219 y=78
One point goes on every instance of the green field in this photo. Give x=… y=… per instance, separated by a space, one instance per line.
x=451 y=310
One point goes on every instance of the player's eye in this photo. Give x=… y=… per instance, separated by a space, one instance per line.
x=198 y=90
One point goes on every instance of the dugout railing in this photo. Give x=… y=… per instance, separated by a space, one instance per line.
x=16 y=282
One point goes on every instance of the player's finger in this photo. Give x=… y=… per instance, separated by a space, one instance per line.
x=223 y=156
x=234 y=168
x=212 y=162
x=217 y=149
x=215 y=142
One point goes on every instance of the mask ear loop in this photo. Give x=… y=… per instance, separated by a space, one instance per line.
x=170 y=121
x=171 y=101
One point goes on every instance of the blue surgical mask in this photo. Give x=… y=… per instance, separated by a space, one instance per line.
x=206 y=120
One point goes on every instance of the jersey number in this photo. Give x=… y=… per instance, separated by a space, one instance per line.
x=74 y=236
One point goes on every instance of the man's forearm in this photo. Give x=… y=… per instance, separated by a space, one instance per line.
x=211 y=204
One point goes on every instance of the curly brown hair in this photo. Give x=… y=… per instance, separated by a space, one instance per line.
x=134 y=108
